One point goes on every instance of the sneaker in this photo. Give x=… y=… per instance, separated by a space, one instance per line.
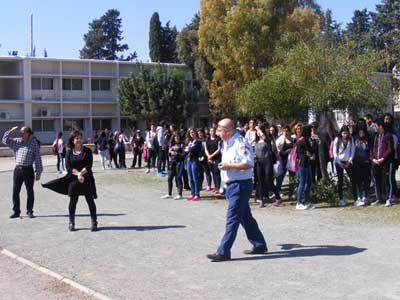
x=147 y=171
x=342 y=203
x=301 y=206
x=208 y=189
x=359 y=203
x=375 y=203
x=190 y=198
x=388 y=203
x=364 y=200
x=196 y=198
x=277 y=203
x=152 y=169
x=179 y=197
x=160 y=174
x=310 y=205
x=166 y=197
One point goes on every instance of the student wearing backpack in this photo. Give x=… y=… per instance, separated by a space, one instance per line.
x=103 y=148
x=343 y=155
x=303 y=153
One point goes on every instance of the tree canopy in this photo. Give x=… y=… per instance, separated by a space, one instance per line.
x=103 y=39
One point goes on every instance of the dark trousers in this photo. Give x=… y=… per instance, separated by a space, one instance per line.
x=393 y=169
x=315 y=170
x=113 y=157
x=185 y=178
x=265 y=179
x=381 y=178
x=121 y=156
x=362 y=175
x=216 y=173
x=27 y=176
x=72 y=207
x=60 y=161
x=151 y=158
x=137 y=157
x=175 y=171
x=238 y=195
x=204 y=169
x=350 y=173
x=162 y=159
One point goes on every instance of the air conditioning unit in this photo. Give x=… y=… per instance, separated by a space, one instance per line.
x=4 y=115
x=45 y=112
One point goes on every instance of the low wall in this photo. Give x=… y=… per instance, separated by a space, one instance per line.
x=44 y=150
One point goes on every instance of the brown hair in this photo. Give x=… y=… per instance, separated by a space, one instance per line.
x=71 y=138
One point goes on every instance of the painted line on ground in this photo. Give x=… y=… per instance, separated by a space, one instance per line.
x=55 y=275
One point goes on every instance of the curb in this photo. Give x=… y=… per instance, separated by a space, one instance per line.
x=55 y=275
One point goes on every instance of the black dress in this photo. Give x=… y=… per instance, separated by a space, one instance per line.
x=69 y=184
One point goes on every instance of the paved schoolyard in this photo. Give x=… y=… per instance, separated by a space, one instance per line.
x=148 y=248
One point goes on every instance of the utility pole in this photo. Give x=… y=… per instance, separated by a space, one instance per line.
x=32 y=54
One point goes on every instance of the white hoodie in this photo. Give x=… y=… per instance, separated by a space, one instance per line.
x=342 y=154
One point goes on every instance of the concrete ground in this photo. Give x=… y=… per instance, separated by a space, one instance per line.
x=148 y=248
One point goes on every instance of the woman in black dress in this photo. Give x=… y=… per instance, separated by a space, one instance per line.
x=79 y=181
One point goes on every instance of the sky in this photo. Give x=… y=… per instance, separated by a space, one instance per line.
x=59 y=26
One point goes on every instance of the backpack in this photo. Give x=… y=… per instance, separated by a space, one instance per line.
x=103 y=144
x=293 y=161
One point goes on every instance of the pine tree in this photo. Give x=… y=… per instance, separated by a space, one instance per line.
x=358 y=30
x=103 y=38
x=155 y=38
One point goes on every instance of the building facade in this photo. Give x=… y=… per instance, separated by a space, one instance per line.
x=53 y=95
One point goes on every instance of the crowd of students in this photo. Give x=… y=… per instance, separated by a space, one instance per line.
x=364 y=150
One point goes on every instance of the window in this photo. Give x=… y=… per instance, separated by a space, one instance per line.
x=72 y=84
x=36 y=84
x=71 y=125
x=105 y=85
x=98 y=124
x=95 y=85
x=42 y=84
x=43 y=125
x=47 y=83
x=127 y=123
x=76 y=84
x=101 y=85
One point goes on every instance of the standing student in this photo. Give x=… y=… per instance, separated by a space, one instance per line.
x=394 y=164
x=362 y=165
x=304 y=153
x=79 y=181
x=26 y=153
x=284 y=146
x=59 y=147
x=343 y=155
x=162 y=149
x=111 y=150
x=237 y=171
x=137 y=143
x=176 y=156
x=120 y=149
x=194 y=151
x=381 y=156
x=204 y=168
x=104 y=152
x=213 y=154
x=151 y=137
x=265 y=158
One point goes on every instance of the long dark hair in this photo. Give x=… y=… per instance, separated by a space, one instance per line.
x=72 y=136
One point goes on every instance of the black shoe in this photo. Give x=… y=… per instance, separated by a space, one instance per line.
x=71 y=227
x=256 y=251
x=14 y=216
x=30 y=214
x=94 y=226
x=217 y=258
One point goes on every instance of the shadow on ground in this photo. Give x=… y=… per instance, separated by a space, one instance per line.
x=297 y=250
x=79 y=215
x=139 y=228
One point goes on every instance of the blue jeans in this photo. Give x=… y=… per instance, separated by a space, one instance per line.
x=305 y=182
x=238 y=195
x=193 y=173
